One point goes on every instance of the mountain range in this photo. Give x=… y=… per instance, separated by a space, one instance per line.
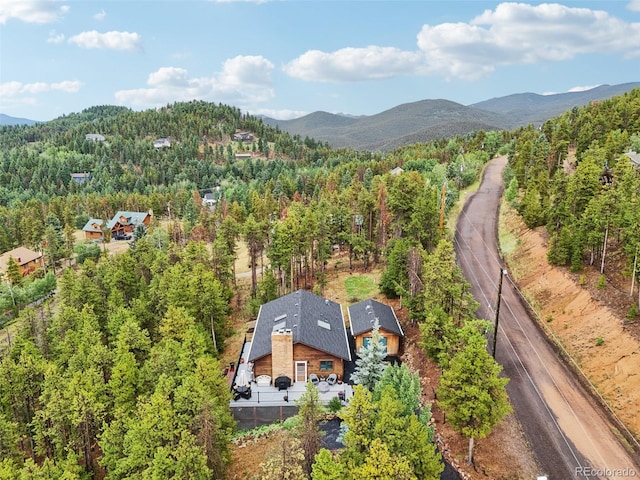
x=428 y=120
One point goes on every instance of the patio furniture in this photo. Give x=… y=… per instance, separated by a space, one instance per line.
x=241 y=391
x=313 y=378
x=332 y=379
x=282 y=383
x=323 y=386
x=263 y=381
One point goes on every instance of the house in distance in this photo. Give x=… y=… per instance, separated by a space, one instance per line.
x=27 y=260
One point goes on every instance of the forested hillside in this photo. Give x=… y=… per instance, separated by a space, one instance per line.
x=589 y=201
x=117 y=374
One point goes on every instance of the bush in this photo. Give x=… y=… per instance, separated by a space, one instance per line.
x=633 y=312
x=601 y=284
x=599 y=341
x=335 y=405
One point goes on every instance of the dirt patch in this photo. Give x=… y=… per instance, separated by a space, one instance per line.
x=586 y=318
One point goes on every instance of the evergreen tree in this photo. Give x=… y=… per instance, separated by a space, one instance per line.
x=370 y=364
x=472 y=393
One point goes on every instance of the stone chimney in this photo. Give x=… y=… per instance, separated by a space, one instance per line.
x=282 y=353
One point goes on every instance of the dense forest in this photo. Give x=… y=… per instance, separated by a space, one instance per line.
x=589 y=203
x=117 y=375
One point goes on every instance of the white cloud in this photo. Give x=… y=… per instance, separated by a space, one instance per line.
x=55 y=37
x=14 y=89
x=100 y=15
x=354 y=64
x=517 y=33
x=512 y=34
x=278 y=114
x=110 y=40
x=244 y=80
x=634 y=5
x=583 y=88
x=32 y=11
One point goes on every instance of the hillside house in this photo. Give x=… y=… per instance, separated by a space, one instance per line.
x=27 y=260
x=162 y=143
x=94 y=137
x=242 y=137
x=124 y=223
x=81 y=177
x=297 y=335
x=362 y=316
x=396 y=171
x=93 y=229
x=634 y=157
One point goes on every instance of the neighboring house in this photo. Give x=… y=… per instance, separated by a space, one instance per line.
x=243 y=156
x=27 y=260
x=81 y=177
x=162 y=143
x=299 y=334
x=93 y=229
x=396 y=171
x=242 y=137
x=634 y=156
x=361 y=319
x=124 y=223
x=209 y=200
x=94 y=137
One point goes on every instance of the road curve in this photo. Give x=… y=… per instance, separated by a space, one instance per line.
x=570 y=434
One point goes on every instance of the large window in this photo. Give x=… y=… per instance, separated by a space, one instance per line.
x=383 y=341
x=326 y=365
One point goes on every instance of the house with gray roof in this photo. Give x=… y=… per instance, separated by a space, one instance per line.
x=93 y=229
x=124 y=223
x=362 y=316
x=299 y=334
x=634 y=157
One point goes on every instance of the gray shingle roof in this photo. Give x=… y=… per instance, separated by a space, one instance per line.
x=134 y=218
x=313 y=320
x=89 y=226
x=361 y=317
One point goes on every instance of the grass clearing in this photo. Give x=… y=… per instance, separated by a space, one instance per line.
x=360 y=287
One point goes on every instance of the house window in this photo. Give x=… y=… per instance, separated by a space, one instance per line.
x=326 y=365
x=383 y=341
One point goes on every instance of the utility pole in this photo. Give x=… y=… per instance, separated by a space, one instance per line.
x=495 y=324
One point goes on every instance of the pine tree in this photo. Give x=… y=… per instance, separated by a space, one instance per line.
x=472 y=393
x=371 y=365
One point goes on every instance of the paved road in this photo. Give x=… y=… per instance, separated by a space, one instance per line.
x=570 y=434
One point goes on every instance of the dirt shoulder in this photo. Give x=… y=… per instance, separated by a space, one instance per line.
x=587 y=321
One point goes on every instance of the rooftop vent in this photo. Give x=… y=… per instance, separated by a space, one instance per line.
x=324 y=325
x=280 y=317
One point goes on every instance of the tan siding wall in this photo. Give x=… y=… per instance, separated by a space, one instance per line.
x=313 y=358
x=393 y=341
x=262 y=367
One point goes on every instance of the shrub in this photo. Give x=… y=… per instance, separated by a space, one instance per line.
x=633 y=312
x=599 y=341
x=334 y=405
x=601 y=284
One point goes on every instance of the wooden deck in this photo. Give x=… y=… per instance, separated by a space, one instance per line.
x=271 y=396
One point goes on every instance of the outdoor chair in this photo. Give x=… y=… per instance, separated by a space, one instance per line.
x=332 y=379
x=313 y=378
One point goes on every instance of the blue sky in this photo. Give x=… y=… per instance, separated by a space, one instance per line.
x=285 y=58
